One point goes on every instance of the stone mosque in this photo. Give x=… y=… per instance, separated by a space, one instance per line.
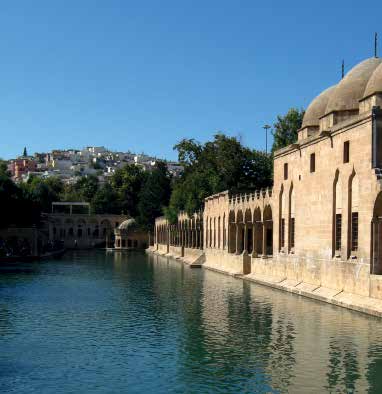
x=318 y=231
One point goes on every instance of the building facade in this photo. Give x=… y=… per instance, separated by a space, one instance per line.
x=319 y=229
x=78 y=228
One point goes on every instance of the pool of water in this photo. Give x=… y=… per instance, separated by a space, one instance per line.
x=111 y=323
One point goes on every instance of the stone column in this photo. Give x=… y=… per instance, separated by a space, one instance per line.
x=237 y=238
x=264 y=240
x=254 y=237
x=229 y=238
x=245 y=238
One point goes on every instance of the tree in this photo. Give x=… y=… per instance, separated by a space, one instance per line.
x=106 y=200
x=286 y=127
x=218 y=165
x=127 y=182
x=154 y=195
x=3 y=168
x=42 y=192
x=25 y=153
x=15 y=208
x=87 y=187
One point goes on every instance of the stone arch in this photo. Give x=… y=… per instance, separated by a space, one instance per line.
x=239 y=232
x=248 y=231
x=81 y=225
x=258 y=232
x=69 y=227
x=267 y=230
x=232 y=232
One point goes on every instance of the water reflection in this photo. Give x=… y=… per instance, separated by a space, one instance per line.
x=343 y=368
x=150 y=324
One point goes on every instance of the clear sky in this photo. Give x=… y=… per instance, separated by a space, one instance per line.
x=141 y=75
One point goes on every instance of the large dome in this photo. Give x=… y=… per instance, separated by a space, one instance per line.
x=127 y=224
x=317 y=108
x=351 y=89
x=375 y=82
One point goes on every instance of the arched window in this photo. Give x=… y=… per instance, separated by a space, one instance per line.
x=353 y=204
x=282 y=219
x=292 y=222
x=337 y=215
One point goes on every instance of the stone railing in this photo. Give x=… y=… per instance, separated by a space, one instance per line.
x=247 y=197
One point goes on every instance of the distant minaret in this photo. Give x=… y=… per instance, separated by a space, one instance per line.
x=343 y=69
x=376 y=45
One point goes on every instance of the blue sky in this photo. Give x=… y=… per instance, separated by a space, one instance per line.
x=141 y=75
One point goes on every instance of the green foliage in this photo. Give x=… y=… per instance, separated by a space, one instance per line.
x=3 y=168
x=154 y=195
x=128 y=182
x=15 y=208
x=106 y=200
x=42 y=192
x=25 y=153
x=218 y=165
x=286 y=127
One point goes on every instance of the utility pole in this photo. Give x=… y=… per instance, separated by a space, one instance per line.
x=266 y=128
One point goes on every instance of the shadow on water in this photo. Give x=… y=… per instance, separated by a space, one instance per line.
x=98 y=322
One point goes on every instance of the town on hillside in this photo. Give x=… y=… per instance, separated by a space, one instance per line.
x=71 y=164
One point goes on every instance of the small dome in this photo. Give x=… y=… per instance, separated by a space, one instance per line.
x=351 y=89
x=317 y=108
x=375 y=82
x=127 y=224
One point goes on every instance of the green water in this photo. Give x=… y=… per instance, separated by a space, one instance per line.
x=131 y=323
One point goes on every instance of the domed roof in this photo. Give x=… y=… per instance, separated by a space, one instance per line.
x=375 y=82
x=127 y=224
x=317 y=108
x=351 y=89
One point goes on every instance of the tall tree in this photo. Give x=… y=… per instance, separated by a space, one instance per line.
x=42 y=192
x=154 y=195
x=286 y=127
x=127 y=182
x=221 y=164
x=106 y=200
x=25 y=153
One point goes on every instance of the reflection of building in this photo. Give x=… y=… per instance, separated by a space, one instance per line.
x=320 y=227
x=81 y=230
x=129 y=236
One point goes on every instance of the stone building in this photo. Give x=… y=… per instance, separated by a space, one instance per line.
x=79 y=228
x=129 y=236
x=21 y=166
x=183 y=240
x=319 y=230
